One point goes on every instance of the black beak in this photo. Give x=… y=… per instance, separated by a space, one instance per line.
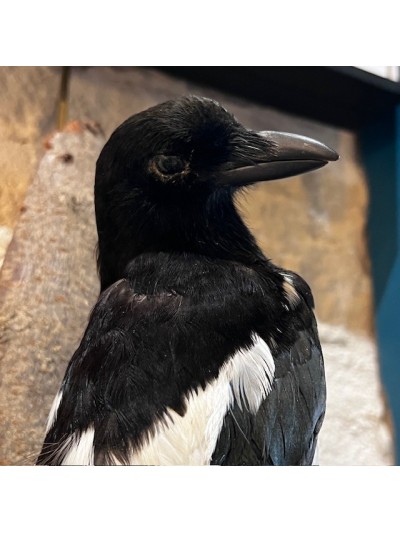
x=285 y=155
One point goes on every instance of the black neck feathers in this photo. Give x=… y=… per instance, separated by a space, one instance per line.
x=203 y=222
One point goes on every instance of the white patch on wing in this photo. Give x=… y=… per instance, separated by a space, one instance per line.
x=252 y=374
x=53 y=411
x=80 y=448
x=191 y=439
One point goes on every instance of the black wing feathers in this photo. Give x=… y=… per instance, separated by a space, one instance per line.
x=284 y=430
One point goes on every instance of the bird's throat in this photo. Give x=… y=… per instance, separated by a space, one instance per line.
x=213 y=229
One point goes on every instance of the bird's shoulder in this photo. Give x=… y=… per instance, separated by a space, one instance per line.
x=210 y=299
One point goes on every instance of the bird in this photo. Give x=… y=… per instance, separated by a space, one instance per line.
x=199 y=351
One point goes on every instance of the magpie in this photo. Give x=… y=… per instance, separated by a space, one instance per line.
x=199 y=350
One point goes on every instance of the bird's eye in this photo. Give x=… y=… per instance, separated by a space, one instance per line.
x=168 y=166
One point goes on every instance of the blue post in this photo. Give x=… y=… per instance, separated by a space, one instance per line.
x=381 y=155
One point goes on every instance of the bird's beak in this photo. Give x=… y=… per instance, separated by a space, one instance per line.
x=292 y=155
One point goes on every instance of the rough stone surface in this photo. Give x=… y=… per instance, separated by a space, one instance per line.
x=356 y=431
x=28 y=97
x=47 y=288
x=314 y=224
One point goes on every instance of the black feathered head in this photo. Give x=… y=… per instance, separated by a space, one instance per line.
x=193 y=140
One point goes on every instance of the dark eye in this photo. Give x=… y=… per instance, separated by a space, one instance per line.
x=168 y=165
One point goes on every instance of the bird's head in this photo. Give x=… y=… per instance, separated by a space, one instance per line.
x=193 y=143
x=167 y=172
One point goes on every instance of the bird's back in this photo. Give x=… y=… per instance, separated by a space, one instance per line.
x=193 y=360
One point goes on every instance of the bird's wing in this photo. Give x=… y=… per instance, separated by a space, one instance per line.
x=285 y=428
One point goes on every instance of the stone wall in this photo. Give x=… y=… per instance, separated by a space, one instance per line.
x=313 y=224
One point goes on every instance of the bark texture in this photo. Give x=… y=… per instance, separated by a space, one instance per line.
x=48 y=285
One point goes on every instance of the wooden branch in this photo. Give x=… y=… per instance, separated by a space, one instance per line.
x=47 y=288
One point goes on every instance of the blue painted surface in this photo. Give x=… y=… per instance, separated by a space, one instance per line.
x=380 y=143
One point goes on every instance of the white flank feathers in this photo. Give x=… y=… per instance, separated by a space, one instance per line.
x=191 y=439
x=188 y=440
x=80 y=449
x=53 y=411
